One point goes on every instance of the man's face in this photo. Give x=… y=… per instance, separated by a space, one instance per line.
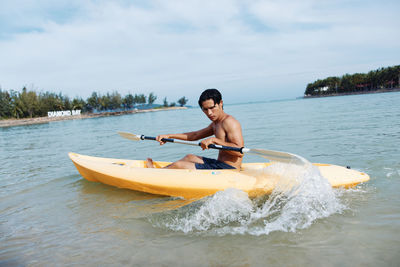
x=211 y=109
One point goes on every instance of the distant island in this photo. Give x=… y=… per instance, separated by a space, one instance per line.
x=87 y=115
x=376 y=81
x=29 y=107
x=31 y=104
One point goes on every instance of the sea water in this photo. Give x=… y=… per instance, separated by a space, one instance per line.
x=50 y=215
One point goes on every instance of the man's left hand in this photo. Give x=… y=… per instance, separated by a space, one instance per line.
x=206 y=142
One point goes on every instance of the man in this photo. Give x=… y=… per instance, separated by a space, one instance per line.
x=226 y=129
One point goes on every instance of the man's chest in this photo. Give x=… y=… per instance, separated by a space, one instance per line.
x=220 y=132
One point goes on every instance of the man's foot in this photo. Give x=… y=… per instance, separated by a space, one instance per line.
x=149 y=163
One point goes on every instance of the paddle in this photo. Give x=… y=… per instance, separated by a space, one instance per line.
x=268 y=154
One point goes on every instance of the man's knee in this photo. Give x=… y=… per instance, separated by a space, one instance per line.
x=181 y=164
x=190 y=157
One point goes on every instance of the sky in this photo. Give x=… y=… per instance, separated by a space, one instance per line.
x=249 y=50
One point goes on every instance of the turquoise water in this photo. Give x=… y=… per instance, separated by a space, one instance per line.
x=50 y=215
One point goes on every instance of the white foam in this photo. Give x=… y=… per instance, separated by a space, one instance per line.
x=391 y=172
x=301 y=196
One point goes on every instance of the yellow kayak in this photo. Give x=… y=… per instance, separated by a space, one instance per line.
x=133 y=174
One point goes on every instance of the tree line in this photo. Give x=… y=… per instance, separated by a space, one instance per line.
x=29 y=104
x=383 y=78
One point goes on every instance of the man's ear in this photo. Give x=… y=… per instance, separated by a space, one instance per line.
x=222 y=104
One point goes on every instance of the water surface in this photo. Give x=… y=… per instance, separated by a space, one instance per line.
x=50 y=215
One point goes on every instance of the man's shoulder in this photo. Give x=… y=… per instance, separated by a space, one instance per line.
x=230 y=120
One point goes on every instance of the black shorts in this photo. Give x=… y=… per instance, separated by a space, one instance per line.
x=212 y=164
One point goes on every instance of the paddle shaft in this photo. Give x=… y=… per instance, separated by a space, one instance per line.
x=268 y=154
x=170 y=140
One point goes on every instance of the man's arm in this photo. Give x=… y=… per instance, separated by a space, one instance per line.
x=190 y=136
x=234 y=136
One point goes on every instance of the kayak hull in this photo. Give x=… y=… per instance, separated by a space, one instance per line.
x=133 y=174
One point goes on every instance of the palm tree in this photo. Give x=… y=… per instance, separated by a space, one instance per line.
x=182 y=101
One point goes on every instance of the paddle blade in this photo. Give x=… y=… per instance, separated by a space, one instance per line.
x=130 y=136
x=279 y=156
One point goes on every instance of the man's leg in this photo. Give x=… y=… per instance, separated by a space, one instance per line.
x=187 y=162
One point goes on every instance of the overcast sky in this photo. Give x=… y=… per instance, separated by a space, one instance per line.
x=250 y=50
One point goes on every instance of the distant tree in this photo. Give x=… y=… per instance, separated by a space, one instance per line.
x=115 y=100
x=165 y=102
x=5 y=104
x=182 y=101
x=140 y=99
x=347 y=83
x=151 y=98
x=66 y=102
x=78 y=103
x=17 y=109
x=105 y=102
x=173 y=104
x=49 y=102
x=128 y=101
x=93 y=102
x=332 y=83
x=28 y=102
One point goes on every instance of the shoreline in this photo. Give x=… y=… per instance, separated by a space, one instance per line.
x=378 y=91
x=40 y=120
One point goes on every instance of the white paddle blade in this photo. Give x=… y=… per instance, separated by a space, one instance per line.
x=279 y=156
x=130 y=136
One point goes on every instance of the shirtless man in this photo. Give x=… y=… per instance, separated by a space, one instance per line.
x=227 y=131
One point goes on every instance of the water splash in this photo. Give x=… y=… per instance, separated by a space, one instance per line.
x=391 y=172
x=300 y=197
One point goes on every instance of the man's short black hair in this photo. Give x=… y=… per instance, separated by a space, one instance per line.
x=213 y=94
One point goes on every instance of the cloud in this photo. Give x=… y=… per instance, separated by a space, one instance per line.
x=254 y=51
